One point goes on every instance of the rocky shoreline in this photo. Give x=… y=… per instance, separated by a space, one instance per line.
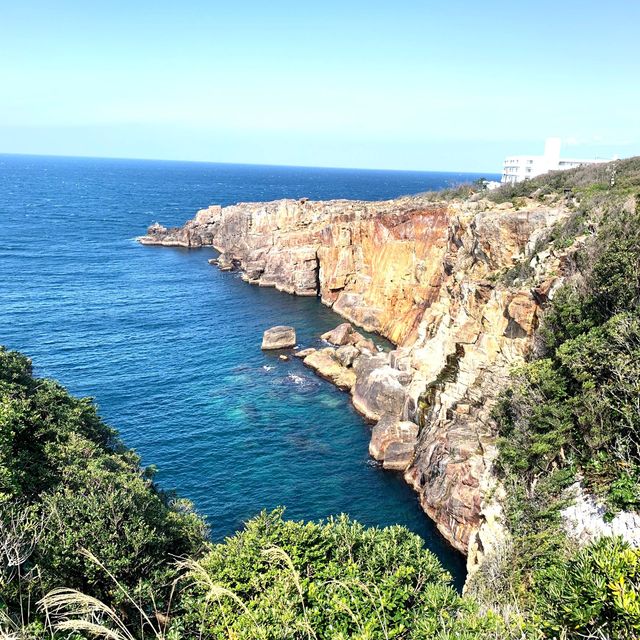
x=435 y=278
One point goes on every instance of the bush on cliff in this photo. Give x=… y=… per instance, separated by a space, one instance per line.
x=573 y=414
x=594 y=593
x=577 y=408
x=67 y=483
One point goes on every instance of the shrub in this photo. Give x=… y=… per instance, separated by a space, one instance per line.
x=68 y=483
x=337 y=579
x=595 y=593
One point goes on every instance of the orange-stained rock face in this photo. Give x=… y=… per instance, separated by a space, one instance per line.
x=426 y=275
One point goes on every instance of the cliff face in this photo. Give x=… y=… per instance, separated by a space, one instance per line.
x=426 y=275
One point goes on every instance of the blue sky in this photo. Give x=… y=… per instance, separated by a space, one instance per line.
x=398 y=85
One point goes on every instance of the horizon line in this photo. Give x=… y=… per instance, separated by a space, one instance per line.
x=240 y=164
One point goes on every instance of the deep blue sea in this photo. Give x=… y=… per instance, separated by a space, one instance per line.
x=170 y=347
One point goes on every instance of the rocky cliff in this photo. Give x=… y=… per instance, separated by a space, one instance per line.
x=438 y=279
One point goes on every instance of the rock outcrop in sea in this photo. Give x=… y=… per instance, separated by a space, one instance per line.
x=280 y=337
x=439 y=280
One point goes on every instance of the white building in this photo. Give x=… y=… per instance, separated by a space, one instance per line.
x=519 y=168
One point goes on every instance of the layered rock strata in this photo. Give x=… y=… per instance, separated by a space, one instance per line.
x=430 y=277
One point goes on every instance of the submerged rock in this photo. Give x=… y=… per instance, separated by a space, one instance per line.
x=280 y=337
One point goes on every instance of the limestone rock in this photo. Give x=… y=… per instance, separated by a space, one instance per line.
x=280 y=337
x=225 y=263
x=585 y=520
x=393 y=442
x=341 y=335
x=303 y=353
x=345 y=334
x=379 y=389
x=325 y=363
x=365 y=345
x=399 y=456
x=347 y=355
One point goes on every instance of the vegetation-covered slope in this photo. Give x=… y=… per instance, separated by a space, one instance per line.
x=572 y=414
x=81 y=520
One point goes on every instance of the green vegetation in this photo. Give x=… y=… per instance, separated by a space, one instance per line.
x=67 y=483
x=573 y=414
x=328 y=580
x=576 y=409
x=89 y=547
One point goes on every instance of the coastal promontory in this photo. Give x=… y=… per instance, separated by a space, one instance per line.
x=427 y=273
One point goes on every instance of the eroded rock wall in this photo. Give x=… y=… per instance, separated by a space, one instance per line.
x=428 y=276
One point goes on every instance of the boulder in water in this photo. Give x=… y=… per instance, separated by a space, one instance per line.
x=394 y=442
x=280 y=337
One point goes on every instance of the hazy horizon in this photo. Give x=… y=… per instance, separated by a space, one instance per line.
x=247 y=164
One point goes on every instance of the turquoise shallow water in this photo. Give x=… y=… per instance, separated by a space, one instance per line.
x=170 y=347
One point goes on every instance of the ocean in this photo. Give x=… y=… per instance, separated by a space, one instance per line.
x=169 y=347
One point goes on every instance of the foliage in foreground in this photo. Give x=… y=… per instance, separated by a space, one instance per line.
x=328 y=580
x=68 y=486
x=67 y=483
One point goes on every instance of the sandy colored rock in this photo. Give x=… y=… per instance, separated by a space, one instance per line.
x=365 y=345
x=393 y=442
x=398 y=456
x=303 y=353
x=280 y=337
x=380 y=390
x=341 y=335
x=225 y=262
x=347 y=355
x=326 y=365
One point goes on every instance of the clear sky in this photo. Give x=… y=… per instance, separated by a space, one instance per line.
x=384 y=84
